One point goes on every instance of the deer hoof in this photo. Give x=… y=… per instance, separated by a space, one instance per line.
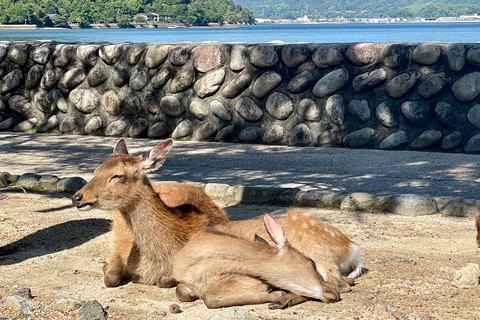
x=279 y=305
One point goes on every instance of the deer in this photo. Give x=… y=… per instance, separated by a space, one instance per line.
x=147 y=233
x=478 y=230
x=224 y=270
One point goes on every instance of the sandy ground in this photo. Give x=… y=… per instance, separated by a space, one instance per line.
x=58 y=252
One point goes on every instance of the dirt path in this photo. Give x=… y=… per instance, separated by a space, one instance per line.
x=58 y=252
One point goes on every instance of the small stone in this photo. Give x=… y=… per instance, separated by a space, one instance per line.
x=179 y=56
x=361 y=54
x=220 y=110
x=97 y=76
x=92 y=310
x=452 y=140
x=417 y=112
x=300 y=135
x=120 y=77
x=48 y=124
x=50 y=79
x=110 y=54
x=293 y=55
x=205 y=131
x=171 y=106
x=249 y=111
x=199 y=109
x=412 y=205
x=330 y=83
x=398 y=86
x=394 y=140
x=225 y=132
x=68 y=304
x=327 y=55
x=238 y=84
x=138 y=127
x=263 y=56
x=467 y=87
x=11 y=81
x=309 y=110
x=155 y=56
x=273 y=134
x=335 y=109
x=394 y=55
x=432 y=85
x=229 y=314
x=94 y=125
x=138 y=80
x=265 y=83
x=158 y=130
x=111 y=103
x=183 y=79
x=468 y=275
x=116 y=128
x=237 y=57
x=386 y=114
x=210 y=83
x=447 y=114
x=72 y=78
x=183 y=129
x=359 y=138
x=88 y=54
x=426 y=139
x=206 y=57
x=174 y=308
x=456 y=56
x=72 y=184
x=85 y=100
x=427 y=53
x=473 y=144
x=250 y=134
x=361 y=201
x=360 y=109
x=473 y=55
x=279 y=106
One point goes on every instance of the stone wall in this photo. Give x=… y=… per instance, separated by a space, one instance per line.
x=387 y=95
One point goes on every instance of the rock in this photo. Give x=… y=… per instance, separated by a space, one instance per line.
x=68 y=304
x=398 y=86
x=34 y=76
x=220 y=110
x=138 y=127
x=365 y=202
x=265 y=83
x=330 y=83
x=225 y=132
x=309 y=110
x=72 y=78
x=94 y=125
x=273 y=134
x=179 y=55
x=427 y=53
x=92 y=310
x=158 y=130
x=335 y=109
x=432 y=85
x=461 y=207
x=250 y=134
x=43 y=101
x=84 y=100
x=319 y=198
x=111 y=103
x=151 y=102
x=171 y=106
x=263 y=56
x=416 y=111
x=473 y=55
x=49 y=80
x=63 y=54
x=138 y=80
x=155 y=56
x=294 y=54
x=468 y=275
x=199 y=109
x=361 y=54
x=467 y=87
x=26 y=125
x=426 y=139
x=18 y=53
x=473 y=116
x=237 y=57
x=452 y=140
x=386 y=114
x=360 y=109
x=70 y=124
x=327 y=55
x=359 y=138
x=183 y=79
x=120 y=77
x=48 y=183
x=18 y=104
x=41 y=54
x=11 y=81
x=394 y=140
x=25 y=305
x=174 y=308
x=394 y=55
x=205 y=131
x=377 y=76
x=48 y=124
x=3 y=51
x=131 y=106
x=229 y=314
x=412 y=205
x=238 y=84
x=88 y=54
x=300 y=135
x=473 y=144
x=279 y=106
x=111 y=53
x=301 y=82
x=210 y=83
x=60 y=100
x=29 y=181
x=135 y=54
x=249 y=111
x=97 y=76
x=447 y=114
x=160 y=78
x=72 y=184
x=456 y=56
x=207 y=57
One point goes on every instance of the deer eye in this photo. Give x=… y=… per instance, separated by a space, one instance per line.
x=117 y=176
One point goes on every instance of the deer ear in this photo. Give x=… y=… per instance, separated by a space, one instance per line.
x=120 y=147
x=274 y=230
x=257 y=238
x=154 y=158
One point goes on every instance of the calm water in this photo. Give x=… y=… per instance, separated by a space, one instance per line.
x=468 y=32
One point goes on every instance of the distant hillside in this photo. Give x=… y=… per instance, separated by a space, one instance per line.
x=292 y=9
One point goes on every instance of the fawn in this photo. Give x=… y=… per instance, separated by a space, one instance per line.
x=146 y=232
x=208 y=268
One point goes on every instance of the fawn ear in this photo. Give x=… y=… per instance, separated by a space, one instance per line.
x=274 y=230
x=154 y=158
x=257 y=238
x=120 y=147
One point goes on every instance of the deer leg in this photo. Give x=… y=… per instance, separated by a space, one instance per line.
x=287 y=300
x=185 y=294
x=122 y=246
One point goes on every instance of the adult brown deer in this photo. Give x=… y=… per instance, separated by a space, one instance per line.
x=225 y=270
x=146 y=232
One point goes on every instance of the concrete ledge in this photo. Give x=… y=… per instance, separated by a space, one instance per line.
x=403 y=204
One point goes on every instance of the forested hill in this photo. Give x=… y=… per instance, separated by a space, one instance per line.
x=292 y=9
x=59 y=13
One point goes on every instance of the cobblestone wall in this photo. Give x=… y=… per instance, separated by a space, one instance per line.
x=362 y=95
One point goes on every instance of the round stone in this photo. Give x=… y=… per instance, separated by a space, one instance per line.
x=359 y=138
x=279 y=106
x=394 y=55
x=220 y=110
x=399 y=85
x=97 y=76
x=160 y=78
x=250 y=134
x=171 y=106
x=131 y=106
x=34 y=76
x=446 y=114
x=18 y=104
x=273 y=134
x=426 y=139
x=309 y=110
x=266 y=83
x=432 y=85
x=238 y=57
x=473 y=116
x=386 y=114
x=335 y=109
x=199 y=109
x=94 y=125
x=361 y=54
x=263 y=56
x=151 y=102
x=467 y=87
x=301 y=82
x=183 y=129
x=110 y=54
x=394 y=140
x=120 y=77
x=72 y=78
x=43 y=101
x=293 y=55
x=84 y=100
x=248 y=109
x=11 y=81
x=205 y=131
x=416 y=111
x=116 y=128
x=225 y=132
x=179 y=56
x=327 y=55
x=210 y=83
x=138 y=127
x=456 y=56
x=330 y=83
x=111 y=103
x=360 y=109
x=138 y=80
x=452 y=140
x=300 y=135
x=88 y=54
x=473 y=55
x=427 y=53
x=155 y=56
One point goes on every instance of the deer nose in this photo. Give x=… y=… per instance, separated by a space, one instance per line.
x=77 y=198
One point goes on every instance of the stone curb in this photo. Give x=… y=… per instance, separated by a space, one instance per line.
x=403 y=204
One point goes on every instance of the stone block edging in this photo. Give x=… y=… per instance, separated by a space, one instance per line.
x=403 y=204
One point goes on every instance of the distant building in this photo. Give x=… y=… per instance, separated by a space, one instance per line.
x=470 y=17
x=157 y=17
